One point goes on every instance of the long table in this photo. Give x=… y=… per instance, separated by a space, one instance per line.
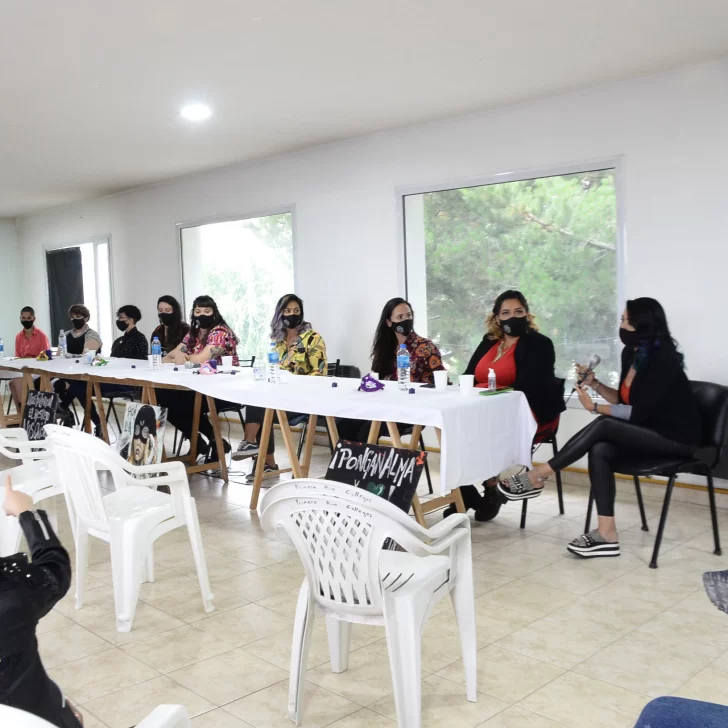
x=479 y=436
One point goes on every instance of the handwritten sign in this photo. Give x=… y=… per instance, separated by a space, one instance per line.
x=40 y=410
x=388 y=472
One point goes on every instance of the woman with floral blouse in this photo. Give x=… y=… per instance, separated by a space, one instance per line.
x=301 y=350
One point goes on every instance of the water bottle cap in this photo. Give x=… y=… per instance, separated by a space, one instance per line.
x=402 y=346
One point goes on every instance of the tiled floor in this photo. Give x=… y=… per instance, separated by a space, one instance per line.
x=563 y=642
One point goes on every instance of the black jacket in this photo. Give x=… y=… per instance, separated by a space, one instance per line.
x=131 y=345
x=535 y=358
x=662 y=398
x=28 y=591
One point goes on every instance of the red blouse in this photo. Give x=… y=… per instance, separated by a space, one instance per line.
x=504 y=368
x=624 y=392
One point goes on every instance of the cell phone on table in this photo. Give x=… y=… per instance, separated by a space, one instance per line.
x=498 y=390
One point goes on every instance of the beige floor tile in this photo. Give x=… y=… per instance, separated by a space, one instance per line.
x=177 y=648
x=549 y=642
x=97 y=603
x=494 y=536
x=675 y=631
x=68 y=644
x=218 y=718
x=529 y=598
x=361 y=634
x=577 y=701
x=291 y=569
x=515 y=717
x=511 y=563
x=284 y=603
x=244 y=625
x=188 y=607
x=148 y=622
x=101 y=674
x=444 y=703
x=170 y=582
x=506 y=675
x=487 y=581
x=570 y=575
x=364 y=719
x=269 y=708
x=597 y=614
x=710 y=685
x=545 y=547
x=218 y=566
x=89 y=721
x=256 y=585
x=53 y=620
x=229 y=676
x=276 y=648
x=492 y=622
x=722 y=662
x=127 y=707
x=367 y=680
x=264 y=553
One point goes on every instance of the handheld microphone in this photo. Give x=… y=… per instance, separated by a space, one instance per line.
x=593 y=363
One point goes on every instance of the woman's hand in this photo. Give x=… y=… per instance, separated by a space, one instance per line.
x=586 y=401
x=15 y=501
x=583 y=371
x=177 y=357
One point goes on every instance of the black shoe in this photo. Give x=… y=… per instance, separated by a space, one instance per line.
x=65 y=416
x=491 y=503
x=212 y=456
x=97 y=432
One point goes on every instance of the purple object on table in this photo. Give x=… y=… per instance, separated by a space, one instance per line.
x=334 y=384
x=412 y=390
x=370 y=384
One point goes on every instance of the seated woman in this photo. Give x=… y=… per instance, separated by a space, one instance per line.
x=396 y=326
x=653 y=413
x=172 y=329
x=301 y=351
x=521 y=358
x=209 y=338
x=28 y=591
x=79 y=339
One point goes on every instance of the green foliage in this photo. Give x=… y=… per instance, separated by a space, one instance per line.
x=552 y=238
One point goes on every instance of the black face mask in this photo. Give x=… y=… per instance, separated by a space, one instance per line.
x=166 y=319
x=404 y=328
x=293 y=321
x=515 y=325
x=121 y=325
x=78 y=323
x=629 y=338
x=205 y=322
x=26 y=324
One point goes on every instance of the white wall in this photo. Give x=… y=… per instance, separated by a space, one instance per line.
x=10 y=275
x=670 y=130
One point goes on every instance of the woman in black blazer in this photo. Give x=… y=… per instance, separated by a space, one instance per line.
x=522 y=358
x=653 y=413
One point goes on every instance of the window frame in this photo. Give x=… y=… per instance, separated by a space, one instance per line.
x=616 y=163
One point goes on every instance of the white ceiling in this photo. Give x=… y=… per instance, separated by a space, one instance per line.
x=90 y=90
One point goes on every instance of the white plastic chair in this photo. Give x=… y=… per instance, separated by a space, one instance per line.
x=163 y=716
x=339 y=532
x=35 y=476
x=131 y=519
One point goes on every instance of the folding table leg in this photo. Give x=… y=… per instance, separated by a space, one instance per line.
x=288 y=439
x=87 y=425
x=100 y=411
x=265 y=435
x=218 y=437
x=308 y=446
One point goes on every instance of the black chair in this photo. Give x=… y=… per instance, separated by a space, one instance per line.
x=129 y=396
x=712 y=402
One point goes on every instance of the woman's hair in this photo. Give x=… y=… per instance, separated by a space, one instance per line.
x=648 y=318
x=277 y=329
x=131 y=312
x=492 y=325
x=384 y=346
x=218 y=320
x=175 y=331
x=78 y=309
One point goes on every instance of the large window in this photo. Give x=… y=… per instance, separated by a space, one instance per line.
x=246 y=266
x=553 y=238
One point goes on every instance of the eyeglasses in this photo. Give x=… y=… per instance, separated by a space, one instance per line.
x=143 y=431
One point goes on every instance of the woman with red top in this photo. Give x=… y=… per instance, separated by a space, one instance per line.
x=30 y=342
x=396 y=327
x=653 y=413
x=521 y=358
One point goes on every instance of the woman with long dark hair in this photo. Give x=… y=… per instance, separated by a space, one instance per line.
x=208 y=338
x=653 y=413
x=172 y=328
x=301 y=350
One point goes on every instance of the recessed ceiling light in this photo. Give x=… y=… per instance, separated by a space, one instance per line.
x=195 y=112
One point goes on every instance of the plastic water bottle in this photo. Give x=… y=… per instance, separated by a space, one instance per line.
x=274 y=364
x=2 y=349
x=403 y=368
x=62 y=344
x=491 y=380
x=156 y=353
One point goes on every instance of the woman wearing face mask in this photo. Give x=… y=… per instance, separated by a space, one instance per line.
x=29 y=343
x=301 y=350
x=209 y=338
x=653 y=413
x=172 y=329
x=521 y=358
x=396 y=327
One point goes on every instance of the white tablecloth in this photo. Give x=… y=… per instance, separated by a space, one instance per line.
x=481 y=436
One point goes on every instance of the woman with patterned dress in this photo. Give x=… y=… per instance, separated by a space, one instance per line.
x=302 y=351
x=396 y=327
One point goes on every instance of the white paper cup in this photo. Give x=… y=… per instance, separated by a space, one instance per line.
x=227 y=362
x=150 y=358
x=467 y=382
x=440 y=381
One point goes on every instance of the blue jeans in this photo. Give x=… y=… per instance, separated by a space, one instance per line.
x=682 y=713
